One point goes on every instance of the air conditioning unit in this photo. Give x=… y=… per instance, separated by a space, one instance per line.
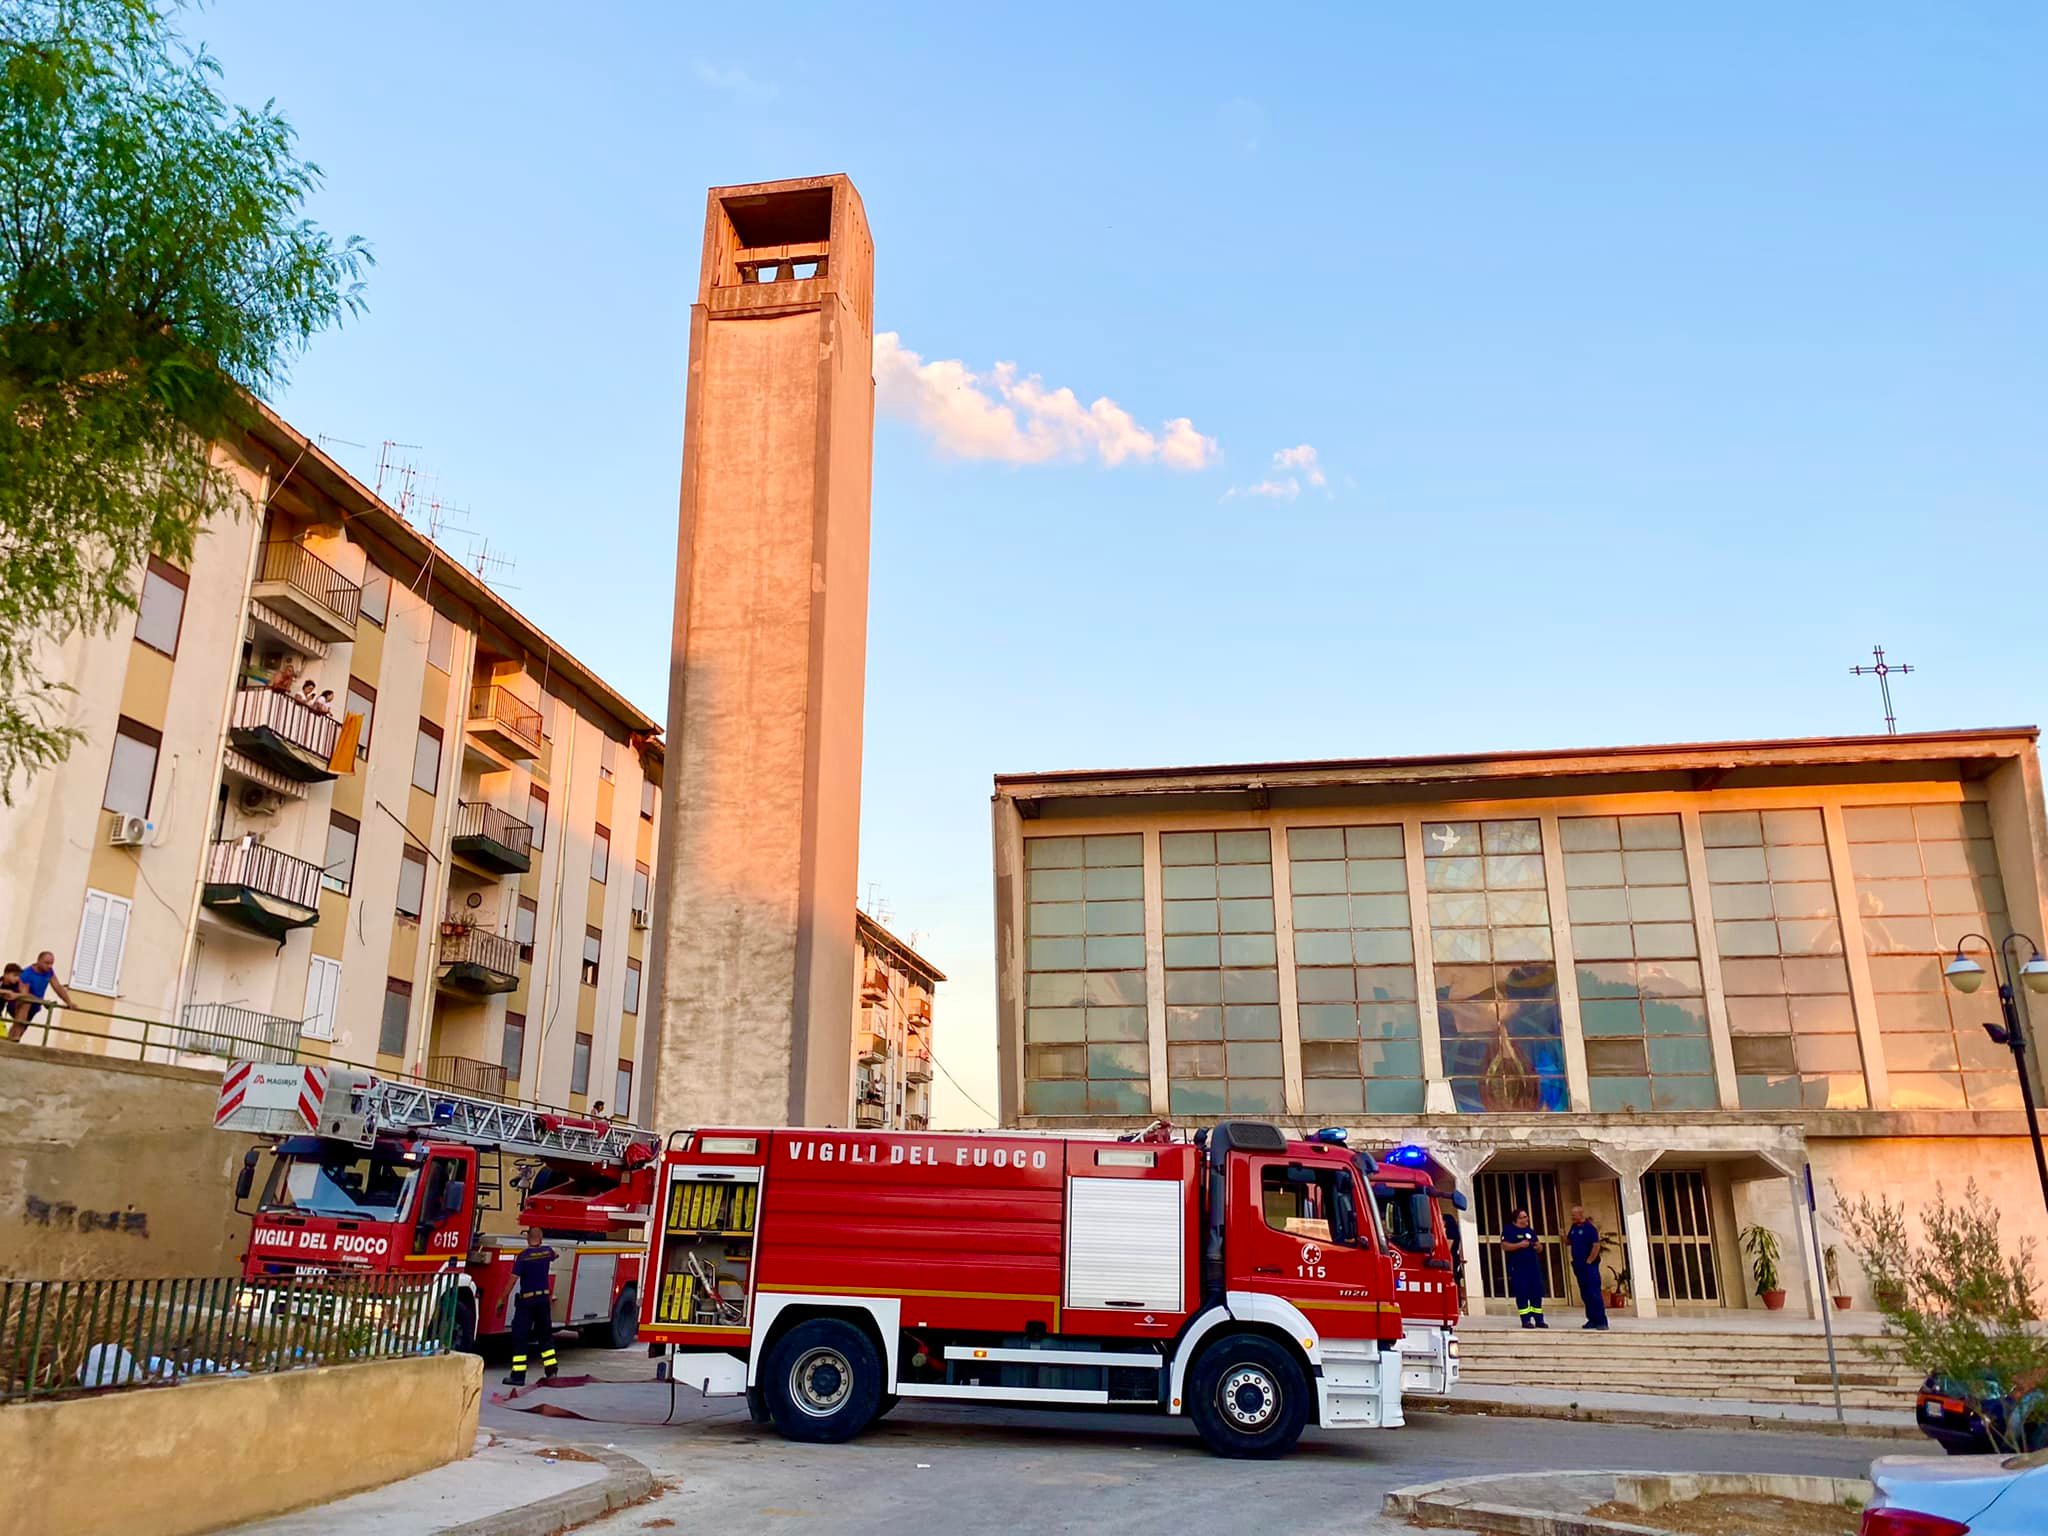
x=255 y=800
x=125 y=831
x=641 y=917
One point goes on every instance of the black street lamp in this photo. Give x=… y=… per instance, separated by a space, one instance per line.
x=1966 y=975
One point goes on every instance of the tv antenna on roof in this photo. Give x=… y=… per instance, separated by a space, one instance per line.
x=1883 y=671
x=490 y=567
x=406 y=470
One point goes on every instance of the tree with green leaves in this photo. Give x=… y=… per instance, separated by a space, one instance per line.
x=156 y=270
x=1956 y=1303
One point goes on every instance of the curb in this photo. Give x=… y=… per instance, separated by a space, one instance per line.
x=1659 y=1418
x=625 y=1482
x=1461 y=1502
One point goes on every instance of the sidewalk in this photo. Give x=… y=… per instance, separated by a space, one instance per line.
x=1664 y=1409
x=509 y=1487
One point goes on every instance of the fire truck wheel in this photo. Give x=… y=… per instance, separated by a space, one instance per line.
x=824 y=1382
x=1248 y=1397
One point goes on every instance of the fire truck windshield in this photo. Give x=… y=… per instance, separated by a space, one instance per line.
x=340 y=1182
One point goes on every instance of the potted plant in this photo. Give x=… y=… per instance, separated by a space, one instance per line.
x=1761 y=1244
x=1835 y=1292
x=1617 y=1285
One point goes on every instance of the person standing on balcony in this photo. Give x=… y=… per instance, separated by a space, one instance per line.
x=282 y=679
x=1525 y=1268
x=37 y=981
x=324 y=705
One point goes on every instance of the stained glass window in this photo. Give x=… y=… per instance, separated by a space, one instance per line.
x=1222 y=973
x=1084 y=986
x=1496 y=972
x=1354 y=971
x=1642 y=999
x=1926 y=875
x=1791 y=1024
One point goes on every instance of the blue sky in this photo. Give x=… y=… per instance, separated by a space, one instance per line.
x=1653 y=369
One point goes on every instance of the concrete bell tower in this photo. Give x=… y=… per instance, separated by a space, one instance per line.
x=761 y=819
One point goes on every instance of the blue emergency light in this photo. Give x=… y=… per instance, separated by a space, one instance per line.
x=1407 y=1157
x=1335 y=1135
x=444 y=1113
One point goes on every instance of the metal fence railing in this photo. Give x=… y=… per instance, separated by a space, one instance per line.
x=496 y=952
x=466 y=1074
x=269 y=871
x=265 y=709
x=64 y=1336
x=221 y=1029
x=506 y=710
x=289 y=562
x=473 y=819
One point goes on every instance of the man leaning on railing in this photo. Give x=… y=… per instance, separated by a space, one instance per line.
x=23 y=989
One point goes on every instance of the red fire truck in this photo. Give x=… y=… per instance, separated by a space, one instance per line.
x=1239 y=1278
x=1418 y=1201
x=375 y=1174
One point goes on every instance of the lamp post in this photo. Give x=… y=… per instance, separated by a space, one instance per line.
x=1966 y=976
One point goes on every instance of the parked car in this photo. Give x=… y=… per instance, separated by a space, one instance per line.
x=1944 y=1414
x=1958 y=1496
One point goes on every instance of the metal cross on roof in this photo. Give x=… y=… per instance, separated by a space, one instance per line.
x=1883 y=671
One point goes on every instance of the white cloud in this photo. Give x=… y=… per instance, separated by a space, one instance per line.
x=1301 y=458
x=731 y=78
x=1292 y=468
x=1015 y=418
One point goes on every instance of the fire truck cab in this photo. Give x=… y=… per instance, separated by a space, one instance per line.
x=1239 y=1278
x=1418 y=1202
x=373 y=1174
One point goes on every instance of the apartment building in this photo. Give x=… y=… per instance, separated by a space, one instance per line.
x=446 y=870
x=892 y=1031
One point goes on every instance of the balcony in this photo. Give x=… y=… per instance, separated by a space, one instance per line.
x=492 y=839
x=476 y=962
x=871 y=1045
x=874 y=984
x=465 y=1074
x=260 y=888
x=869 y=1115
x=309 y=591
x=504 y=722
x=242 y=1034
x=277 y=732
x=920 y=1009
x=917 y=1122
x=917 y=1067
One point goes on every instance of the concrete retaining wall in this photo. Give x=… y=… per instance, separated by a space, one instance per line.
x=113 y=1169
x=174 y=1461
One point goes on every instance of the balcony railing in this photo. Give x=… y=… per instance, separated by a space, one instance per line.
x=265 y=709
x=466 y=1074
x=266 y=871
x=917 y=1067
x=506 y=712
x=222 y=1029
x=494 y=838
x=492 y=952
x=290 y=562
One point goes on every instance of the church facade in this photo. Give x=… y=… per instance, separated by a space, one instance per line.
x=1664 y=982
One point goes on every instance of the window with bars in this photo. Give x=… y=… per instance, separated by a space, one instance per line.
x=1926 y=875
x=1496 y=970
x=1354 y=971
x=1642 y=997
x=1791 y=1024
x=1085 y=1046
x=1222 y=973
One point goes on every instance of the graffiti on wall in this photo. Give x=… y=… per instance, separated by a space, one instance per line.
x=38 y=1212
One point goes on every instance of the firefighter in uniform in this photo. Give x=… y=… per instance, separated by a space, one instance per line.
x=1525 y=1269
x=1584 y=1239
x=533 y=1325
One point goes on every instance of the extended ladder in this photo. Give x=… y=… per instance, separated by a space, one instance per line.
x=358 y=1107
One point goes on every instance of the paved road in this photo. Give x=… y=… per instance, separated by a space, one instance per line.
x=932 y=1470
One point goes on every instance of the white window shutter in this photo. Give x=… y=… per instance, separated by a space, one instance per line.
x=102 y=943
x=85 y=963
x=323 y=987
